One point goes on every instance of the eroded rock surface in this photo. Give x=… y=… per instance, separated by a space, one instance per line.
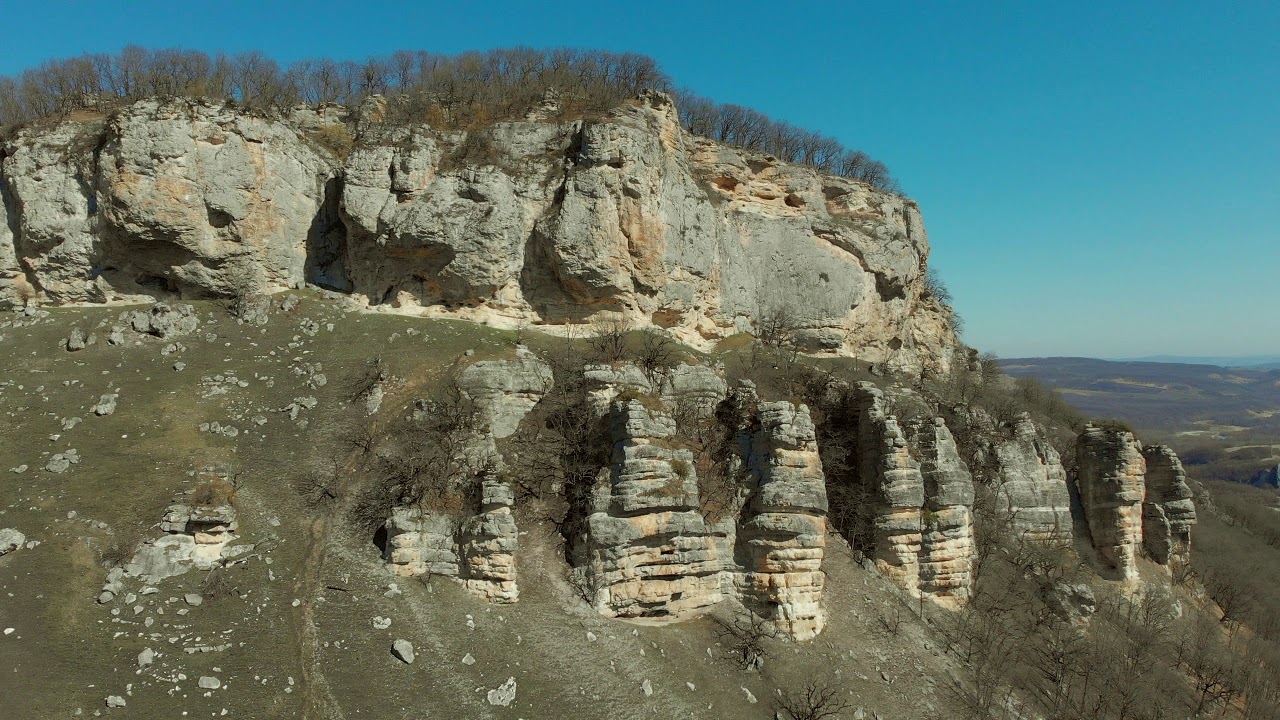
x=1032 y=485
x=649 y=550
x=1111 y=479
x=1168 y=511
x=784 y=534
x=548 y=222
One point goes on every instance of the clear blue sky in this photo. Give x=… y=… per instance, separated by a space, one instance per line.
x=1095 y=181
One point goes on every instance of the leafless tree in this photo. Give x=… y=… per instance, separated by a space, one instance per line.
x=815 y=701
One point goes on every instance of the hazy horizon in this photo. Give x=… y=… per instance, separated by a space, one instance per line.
x=1095 y=181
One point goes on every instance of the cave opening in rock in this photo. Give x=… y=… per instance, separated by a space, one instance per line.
x=326 y=261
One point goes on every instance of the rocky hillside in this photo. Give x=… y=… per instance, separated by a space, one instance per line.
x=546 y=418
x=548 y=222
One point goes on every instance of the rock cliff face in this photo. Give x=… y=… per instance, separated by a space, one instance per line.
x=1032 y=485
x=547 y=222
x=1112 y=483
x=1168 y=512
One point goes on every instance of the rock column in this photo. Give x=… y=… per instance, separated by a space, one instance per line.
x=896 y=490
x=1168 y=511
x=946 y=554
x=785 y=532
x=1112 y=486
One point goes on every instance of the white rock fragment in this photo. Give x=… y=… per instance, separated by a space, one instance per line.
x=10 y=540
x=403 y=649
x=504 y=694
x=208 y=682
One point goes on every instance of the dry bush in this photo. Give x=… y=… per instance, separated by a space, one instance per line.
x=212 y=492
x=746 y=637
x=336 y=139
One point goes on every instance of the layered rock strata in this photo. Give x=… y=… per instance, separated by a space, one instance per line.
x=1032 y=485
x=504 y=391
x=649 y=550
x=1112 y=483
x=1168 y=511
x=784 y=534
x=548 y=222
x=196 y=535
x=895 y=489
x=947 y=549
x=479 y=550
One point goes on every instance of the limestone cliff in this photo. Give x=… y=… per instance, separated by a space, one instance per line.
x=539 y=221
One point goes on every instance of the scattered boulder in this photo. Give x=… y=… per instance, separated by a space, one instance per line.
x=10 y=540
x=78 y=340
x=208 y=682
x=61 y=462
x=504 y=694
x=164 y=321
x=106 y=404
x=403 y=649
x=115 y=701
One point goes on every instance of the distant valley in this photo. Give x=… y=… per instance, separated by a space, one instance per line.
x=1225 y=421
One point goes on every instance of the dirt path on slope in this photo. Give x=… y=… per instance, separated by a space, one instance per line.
x=318 y=702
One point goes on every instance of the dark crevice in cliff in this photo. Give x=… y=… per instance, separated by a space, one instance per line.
x=326 y=262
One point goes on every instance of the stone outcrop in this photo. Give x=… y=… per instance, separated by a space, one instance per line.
x=548 y=222
x=196 y=535
x=504 y=391
x=649 y=553
x=479 y=550
x=1032 y=485
x=783 y=537
x=947 y=549
x=895 y=489
x=1168 y=511
x=1111 y=480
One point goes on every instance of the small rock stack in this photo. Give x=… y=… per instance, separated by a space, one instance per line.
x=650 y=551
x=785 y=532
x=1112 y=483
x=1032 y=485
x=1168 y=511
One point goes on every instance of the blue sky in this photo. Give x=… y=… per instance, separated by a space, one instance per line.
x=1096 y=181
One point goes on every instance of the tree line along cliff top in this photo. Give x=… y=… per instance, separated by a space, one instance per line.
x=444 y=91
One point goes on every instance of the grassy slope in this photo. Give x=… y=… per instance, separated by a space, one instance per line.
x=67 y=652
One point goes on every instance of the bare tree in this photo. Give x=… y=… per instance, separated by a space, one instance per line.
x=815 y=701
